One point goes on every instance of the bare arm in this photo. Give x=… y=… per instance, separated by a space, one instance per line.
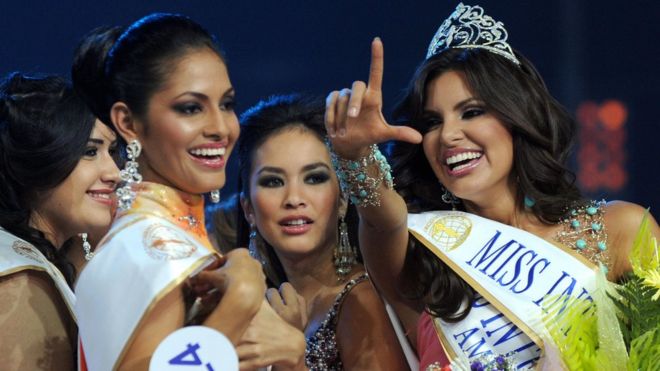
x=35 y=324
x=365 y=336
x=354 y=121
x=166 y=317
x=242 y=284
x=622 y=221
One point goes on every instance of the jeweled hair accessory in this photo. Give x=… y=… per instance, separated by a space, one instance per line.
x=468 y=27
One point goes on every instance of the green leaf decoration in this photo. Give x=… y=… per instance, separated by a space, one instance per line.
x=645 y=351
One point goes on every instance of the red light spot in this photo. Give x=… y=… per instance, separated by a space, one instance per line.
x=612 y=114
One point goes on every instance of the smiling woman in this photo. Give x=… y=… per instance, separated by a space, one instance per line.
x=498 y=230
x=163 y=85
x=56 y=174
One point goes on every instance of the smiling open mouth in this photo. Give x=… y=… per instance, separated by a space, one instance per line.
x=462 y=160
x=208 y=153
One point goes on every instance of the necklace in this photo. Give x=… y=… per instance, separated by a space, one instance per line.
x=583 y=230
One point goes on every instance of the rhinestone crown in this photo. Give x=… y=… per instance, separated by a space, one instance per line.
x=468 y=27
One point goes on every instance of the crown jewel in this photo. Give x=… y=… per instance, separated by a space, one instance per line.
x=468 y=27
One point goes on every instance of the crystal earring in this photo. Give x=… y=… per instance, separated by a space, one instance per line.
x=215 y=196
x=449 y=198
x=344 y=254
x=255 y=244
x=129 y=175
x=87 y=247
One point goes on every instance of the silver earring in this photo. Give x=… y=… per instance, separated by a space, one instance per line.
x=449 y=198
x=344 y=254
x=215 y=196
x=255 y=244
x=87 y=247
x=129 y=175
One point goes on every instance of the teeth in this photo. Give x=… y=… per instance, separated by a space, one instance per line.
x=296 y=222
x=208 y=151
x=100 y=195
x=459 y=167
x=462 y=157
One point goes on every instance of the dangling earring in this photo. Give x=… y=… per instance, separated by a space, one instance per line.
x=215 y=196
x=255 y=244
x=87 y=247
x=129 y=175
x=344 y=254
x=449 y=198
x=529 y=202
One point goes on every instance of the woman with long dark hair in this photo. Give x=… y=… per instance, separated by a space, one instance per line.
x=163 y=84
x=296 y=222
x=484 y=136
x=57 y=175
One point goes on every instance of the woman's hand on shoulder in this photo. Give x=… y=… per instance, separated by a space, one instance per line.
x=622 y=221
x=269 y=340
x=365 y=336
x=354 y=118
x=240 y=275
x=289 y=305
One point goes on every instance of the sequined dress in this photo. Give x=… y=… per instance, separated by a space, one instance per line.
x=322 y=352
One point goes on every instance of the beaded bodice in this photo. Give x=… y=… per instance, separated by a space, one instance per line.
x=583 y=230
x=322 y=352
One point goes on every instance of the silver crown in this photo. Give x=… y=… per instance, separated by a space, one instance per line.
x=468 y=27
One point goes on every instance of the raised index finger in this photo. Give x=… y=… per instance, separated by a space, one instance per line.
x=376 y=69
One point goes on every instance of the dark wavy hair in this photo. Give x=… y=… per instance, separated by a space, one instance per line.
x=113 y=64
x=260 y=122
x=44 y=129
x=542 y=132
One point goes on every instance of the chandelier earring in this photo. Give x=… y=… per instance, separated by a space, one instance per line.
x=344 y=254
x=449 y=198
x=215 y=196
x=255 y=244
x=129 y=175
x=87 y=247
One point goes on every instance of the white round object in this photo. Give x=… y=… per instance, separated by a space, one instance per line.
x=195 y=348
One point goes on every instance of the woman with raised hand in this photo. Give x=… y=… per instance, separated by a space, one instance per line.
x=163 y=84
x=485 y=137
x=295 y=222
x=57 y=175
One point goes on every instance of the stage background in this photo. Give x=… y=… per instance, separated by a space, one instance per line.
x=599 y=58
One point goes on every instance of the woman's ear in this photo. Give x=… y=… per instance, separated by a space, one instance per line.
x=124 y=121
x=248 y=211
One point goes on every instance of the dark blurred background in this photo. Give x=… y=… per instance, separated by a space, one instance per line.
x=599 y=58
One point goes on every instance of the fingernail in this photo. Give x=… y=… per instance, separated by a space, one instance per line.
x=377 y=38
x=342 y=132
x=332 y=133
x=353 y=112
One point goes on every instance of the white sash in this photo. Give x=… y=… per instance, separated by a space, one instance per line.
x=139 y=262
x=18 y=255
x=512 y=272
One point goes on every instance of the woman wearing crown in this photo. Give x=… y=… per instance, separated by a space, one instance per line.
x=485 y=137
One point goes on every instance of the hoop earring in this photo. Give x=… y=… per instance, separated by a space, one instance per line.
x=344 y=254
x=255 y=245
x=449 y=198
x=129 y=175
x=87 y=247
x=215 y=196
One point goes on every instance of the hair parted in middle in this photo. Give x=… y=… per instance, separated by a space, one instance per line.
x=542 y=132
x=267 y=118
